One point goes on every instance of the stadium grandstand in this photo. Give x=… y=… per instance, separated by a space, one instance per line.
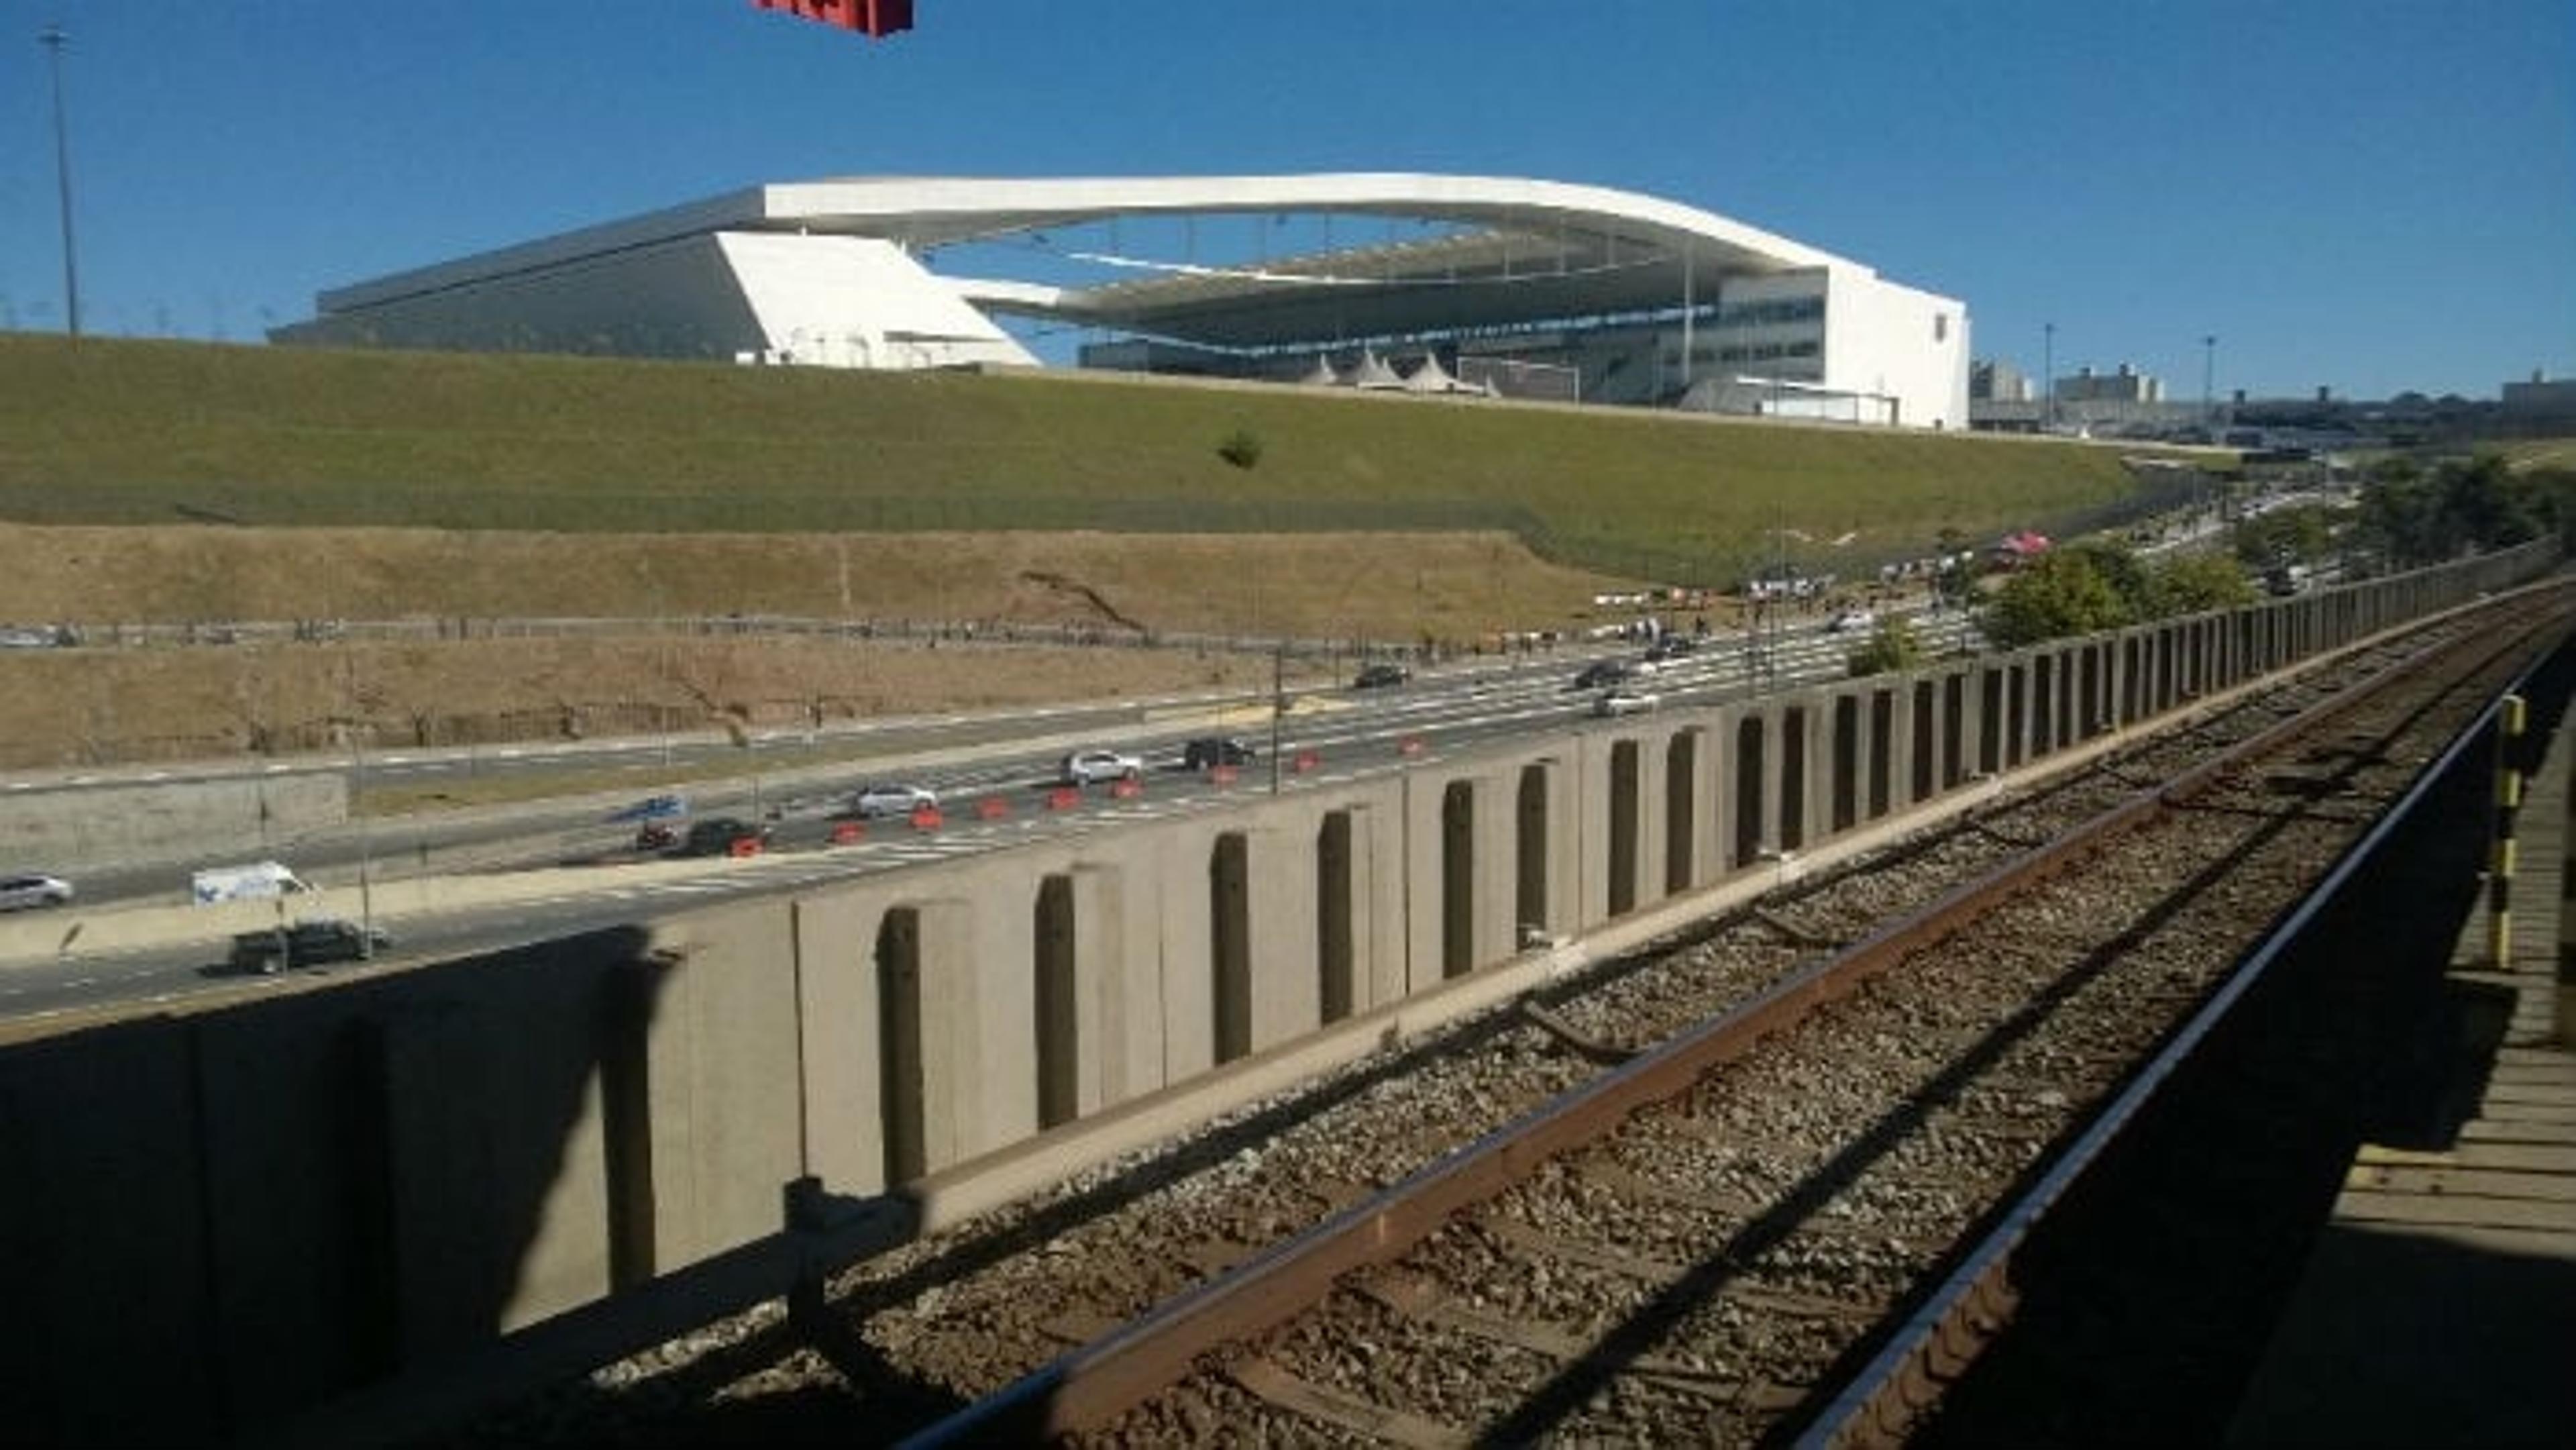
x=1375 y=281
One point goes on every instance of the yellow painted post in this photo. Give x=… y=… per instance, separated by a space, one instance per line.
x=2508 y=801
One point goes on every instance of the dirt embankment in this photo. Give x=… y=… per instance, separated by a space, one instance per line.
x=100 y=705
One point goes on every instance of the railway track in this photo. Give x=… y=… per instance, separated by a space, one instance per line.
x=1694 y=1195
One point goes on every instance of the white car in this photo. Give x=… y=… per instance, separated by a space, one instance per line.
x=1624 y=702
x=893 y=800
x=32 y=889
x=1852 y=621
x=1086 y=766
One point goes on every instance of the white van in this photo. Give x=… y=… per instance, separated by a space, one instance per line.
x=258 y=881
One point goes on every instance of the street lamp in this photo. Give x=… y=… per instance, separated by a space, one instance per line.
x=2208 y=380
x=53 y=39
x=2048 y=373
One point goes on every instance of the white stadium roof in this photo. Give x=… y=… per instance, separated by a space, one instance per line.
x=1512 y=251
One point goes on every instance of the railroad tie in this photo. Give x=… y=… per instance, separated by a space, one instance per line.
x=1338 y=1193
x=1795 y=934
x=1417 y=1298
x=1590 y=1048
x=1213 y=1257
x=1632 y=1266
x=1628 y=1183
x=1080 y=1326
x=2014 y=843
x=1267 y=1381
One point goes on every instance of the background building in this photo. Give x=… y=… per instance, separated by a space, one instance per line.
x=2540 y=400
x=2127 y=385
x=1476 y=284
x=1995 y=380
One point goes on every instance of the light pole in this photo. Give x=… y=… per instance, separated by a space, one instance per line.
x=1278 y=704
x=366 y=851
x=2048 y=374
x=2208 y=381
x=53 y=39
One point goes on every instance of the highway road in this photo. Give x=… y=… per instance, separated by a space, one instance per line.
x=1005 y=764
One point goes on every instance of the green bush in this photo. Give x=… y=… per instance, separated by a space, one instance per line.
x=1893 y=647
x=1242 y=448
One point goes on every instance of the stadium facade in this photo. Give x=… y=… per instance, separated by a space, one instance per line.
x=1503 y=286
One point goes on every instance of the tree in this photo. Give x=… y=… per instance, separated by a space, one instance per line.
x=1892 y=647
x=2299 y=535
x=2474 y=504
x=2197 y=584
x=2061 y=593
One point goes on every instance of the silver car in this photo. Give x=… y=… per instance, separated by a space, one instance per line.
x=31 y=889
x=893 y=800
x=1085 y=766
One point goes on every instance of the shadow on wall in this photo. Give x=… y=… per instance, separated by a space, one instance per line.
x=255 y=1209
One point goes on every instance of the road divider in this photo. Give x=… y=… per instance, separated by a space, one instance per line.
x=79 y=930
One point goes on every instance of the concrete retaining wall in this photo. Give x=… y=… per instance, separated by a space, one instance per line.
x=69 y=830
x=268 y=1209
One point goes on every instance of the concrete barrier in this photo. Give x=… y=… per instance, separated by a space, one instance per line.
x=40 y=936
x=323 y=1197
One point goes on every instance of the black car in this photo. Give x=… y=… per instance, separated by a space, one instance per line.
x=1378 y=677
x=305 y=944
x=1603 y=673
x=1215 y=750
x=717 y=836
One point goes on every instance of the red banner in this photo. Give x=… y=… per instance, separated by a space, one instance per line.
x=878 y=18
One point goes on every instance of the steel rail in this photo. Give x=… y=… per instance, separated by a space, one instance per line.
x=1945 y=1334
x=1092 y=1385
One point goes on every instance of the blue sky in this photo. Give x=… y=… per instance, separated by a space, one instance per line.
x=2368 y=195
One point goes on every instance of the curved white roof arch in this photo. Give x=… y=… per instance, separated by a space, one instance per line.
x=1517 y=250
x=868 y=272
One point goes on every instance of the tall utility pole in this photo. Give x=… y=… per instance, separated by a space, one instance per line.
x=2208 y=381
x=53 y=39
x=2048 y=372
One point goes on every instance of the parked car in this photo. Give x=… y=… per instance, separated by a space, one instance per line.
x=1216 y=750
x=1624 y=702
x=31 y=889
x=1603 y=672
x=1086 y=766
x=655 y=836
x=717 y=836
x=893 y=800
x=1851 y=621
x=1381 y=676
x=305 y=944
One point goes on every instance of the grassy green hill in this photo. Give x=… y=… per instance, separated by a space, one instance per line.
x=131 y=432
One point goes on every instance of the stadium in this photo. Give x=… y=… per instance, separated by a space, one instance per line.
x=1435 y=284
